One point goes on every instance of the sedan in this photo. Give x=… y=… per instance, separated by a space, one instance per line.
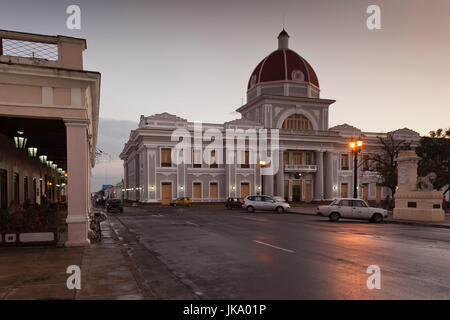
x=233 y=203
x=183 y=201
x=252 y=203
x=352 y=209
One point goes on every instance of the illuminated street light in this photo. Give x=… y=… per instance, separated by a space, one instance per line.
x=20 y=140
x=355 y=148
x=43 y=159
x=32 y=151
x=262 y=164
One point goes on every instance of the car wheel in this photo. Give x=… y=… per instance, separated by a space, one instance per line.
x=190 y=205
x=280 y=209
x=250 y=209
x=335 y=216
x=377 y=218
x=174 y=204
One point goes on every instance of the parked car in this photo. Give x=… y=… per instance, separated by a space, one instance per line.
x=352 y=209
x=252 y=203
x=183 y=201
x=113 y=205
x=233 y=203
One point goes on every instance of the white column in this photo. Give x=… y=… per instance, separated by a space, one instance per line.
x=77 y=183
x=318 y=182
x=280 y=176
x=329 y=176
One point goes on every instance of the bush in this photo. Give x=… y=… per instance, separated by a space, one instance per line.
x=34 y=218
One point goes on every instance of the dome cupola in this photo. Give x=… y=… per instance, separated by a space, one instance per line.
x=283 y=66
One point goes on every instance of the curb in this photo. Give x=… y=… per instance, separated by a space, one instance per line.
x=414 y=223
x=409 y=223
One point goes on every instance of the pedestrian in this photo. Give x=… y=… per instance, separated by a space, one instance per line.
x=387 y=202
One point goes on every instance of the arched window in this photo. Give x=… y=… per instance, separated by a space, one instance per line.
x=297 y=122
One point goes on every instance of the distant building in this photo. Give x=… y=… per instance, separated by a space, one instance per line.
x=49 y=108
x=283 y=93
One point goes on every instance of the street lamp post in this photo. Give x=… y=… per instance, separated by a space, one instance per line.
x=355 y=147
x=262 y=164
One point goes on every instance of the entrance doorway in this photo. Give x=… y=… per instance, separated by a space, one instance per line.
x=197 y=190
x=308 y=191
x=296 y=190
x=365 y=192
x=286 y=190
x=213 y=190
x=378 y=193
x=344 y=190
x=245 y=189
x=166 y=193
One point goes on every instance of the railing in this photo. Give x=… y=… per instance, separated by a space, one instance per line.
x=310 y=132
x=300 y=167
x=29 y=49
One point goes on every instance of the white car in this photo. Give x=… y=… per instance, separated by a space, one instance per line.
x=352 y=209
x=252 y=203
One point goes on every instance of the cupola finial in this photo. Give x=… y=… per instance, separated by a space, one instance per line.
x=283 y=40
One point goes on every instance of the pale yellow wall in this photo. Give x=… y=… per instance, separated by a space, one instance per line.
x=20 y=93
x=61 y=96
x=71 y=55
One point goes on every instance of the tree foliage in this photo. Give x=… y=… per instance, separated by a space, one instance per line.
x=384 y=161
x=434 y=152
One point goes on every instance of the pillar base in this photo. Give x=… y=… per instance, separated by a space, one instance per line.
x=84 y=243
x=77 y=229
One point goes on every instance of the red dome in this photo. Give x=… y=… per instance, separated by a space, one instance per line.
x=280 y=66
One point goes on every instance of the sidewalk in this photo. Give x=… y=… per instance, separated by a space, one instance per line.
x=40 y=273
x=312 y=210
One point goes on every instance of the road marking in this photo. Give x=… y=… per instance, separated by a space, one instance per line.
x=269 y=245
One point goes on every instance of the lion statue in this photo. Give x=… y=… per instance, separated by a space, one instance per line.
x=426 y=183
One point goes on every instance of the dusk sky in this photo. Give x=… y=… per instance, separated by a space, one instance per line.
x=194 y=58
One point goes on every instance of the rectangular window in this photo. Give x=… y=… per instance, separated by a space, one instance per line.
x=309 y=158
x=344 y=162
x=166 y=157
x=297 y=158
x=213 y=162
x=196 y=158
x=246 y=159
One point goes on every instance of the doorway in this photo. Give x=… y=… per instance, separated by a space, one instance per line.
x=296 y=190
x=166 y=193
x=308 y=191
x=245 y=189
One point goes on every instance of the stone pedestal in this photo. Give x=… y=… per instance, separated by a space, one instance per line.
x=419 y=205
x=410 y=203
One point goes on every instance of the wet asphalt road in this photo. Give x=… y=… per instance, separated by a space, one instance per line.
x=225 y=254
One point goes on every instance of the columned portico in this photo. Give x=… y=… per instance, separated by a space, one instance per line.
x=329 y=176
x=318 y=182
x=280 y=176
x=77 y=182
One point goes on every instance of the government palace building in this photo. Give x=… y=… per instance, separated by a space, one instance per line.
x=314 y=161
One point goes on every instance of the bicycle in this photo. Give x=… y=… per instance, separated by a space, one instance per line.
x=95 y=233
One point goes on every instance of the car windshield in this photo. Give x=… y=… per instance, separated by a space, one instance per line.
x=335 y=202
